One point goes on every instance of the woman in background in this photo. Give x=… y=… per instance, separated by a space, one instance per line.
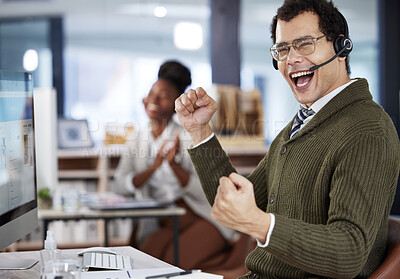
x=159 y=167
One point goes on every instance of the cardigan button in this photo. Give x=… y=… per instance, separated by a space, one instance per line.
x=251 y=276
x=272 y=198
x=283 y=149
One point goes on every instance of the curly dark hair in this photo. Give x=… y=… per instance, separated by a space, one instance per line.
x=176 y=73
x=331 y=21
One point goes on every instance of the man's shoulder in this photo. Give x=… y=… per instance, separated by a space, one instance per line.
x=366 y=119
x=364 y=113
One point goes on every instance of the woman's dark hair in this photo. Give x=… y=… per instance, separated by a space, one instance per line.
x=331 y=23
x=175 y=73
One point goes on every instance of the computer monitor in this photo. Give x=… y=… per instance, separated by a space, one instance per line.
x=18 y=198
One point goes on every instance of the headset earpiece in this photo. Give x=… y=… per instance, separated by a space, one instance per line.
x=343 y=41
x=275 y=64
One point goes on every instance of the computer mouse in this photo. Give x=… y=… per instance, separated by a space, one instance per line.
x=97 y=250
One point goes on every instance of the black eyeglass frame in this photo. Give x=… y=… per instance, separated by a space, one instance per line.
x=273 y=48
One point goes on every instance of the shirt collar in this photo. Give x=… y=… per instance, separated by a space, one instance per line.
x=320 y=103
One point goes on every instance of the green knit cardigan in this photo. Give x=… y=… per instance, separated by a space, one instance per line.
x=330 y=187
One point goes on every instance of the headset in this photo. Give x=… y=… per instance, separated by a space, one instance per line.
x=342 y=45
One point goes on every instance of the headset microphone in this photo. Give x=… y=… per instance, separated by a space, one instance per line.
x=348 y=46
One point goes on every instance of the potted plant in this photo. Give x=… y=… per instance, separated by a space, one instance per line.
x=45 y=200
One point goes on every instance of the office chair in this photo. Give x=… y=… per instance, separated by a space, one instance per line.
x=390 y=267
x=231 y=262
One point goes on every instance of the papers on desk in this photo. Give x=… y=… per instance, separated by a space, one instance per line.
x=143 y=273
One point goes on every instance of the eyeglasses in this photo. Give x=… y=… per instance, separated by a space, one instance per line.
x=303 y=46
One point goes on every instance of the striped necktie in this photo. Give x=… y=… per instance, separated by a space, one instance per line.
x=302 y=114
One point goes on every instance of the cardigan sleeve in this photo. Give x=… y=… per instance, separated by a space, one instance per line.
x=211 y=162
x=362 y=189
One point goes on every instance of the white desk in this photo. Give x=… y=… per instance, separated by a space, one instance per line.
x=50 y=215
x=140 y=260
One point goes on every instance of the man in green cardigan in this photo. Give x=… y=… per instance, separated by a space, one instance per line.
x=318 y=203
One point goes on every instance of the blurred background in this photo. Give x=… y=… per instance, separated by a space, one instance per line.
x=100 y=58
x=102 y=55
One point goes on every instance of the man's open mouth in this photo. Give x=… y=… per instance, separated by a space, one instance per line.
x=302 y=79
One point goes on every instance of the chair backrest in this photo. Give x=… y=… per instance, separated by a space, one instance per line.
x=390 y=268
x=231 y=263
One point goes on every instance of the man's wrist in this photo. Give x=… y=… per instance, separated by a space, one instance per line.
x=201 y=134
x=204 y=141
x=264 y=243
x=263 y=228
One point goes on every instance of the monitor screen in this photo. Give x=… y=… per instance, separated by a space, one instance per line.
x=18 y=199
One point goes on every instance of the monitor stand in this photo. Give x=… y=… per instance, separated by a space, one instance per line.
x=7 y=264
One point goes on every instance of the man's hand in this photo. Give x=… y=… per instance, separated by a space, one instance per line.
x=235 y=207
x=195 y=109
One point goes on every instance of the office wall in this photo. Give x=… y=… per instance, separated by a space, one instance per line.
x=16 y=37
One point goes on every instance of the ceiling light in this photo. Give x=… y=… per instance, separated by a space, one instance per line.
x=30 y=60
x=188 y=35
x=160 y=11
